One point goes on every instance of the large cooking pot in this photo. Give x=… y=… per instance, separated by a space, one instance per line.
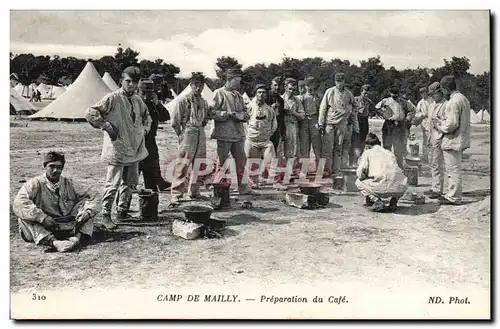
x=197 y=212
x=310 y=188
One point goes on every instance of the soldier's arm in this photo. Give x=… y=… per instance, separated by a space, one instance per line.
x=323 y=109
x=217 y=112
x=452 y=118
x=24 y=206
x=96 y=115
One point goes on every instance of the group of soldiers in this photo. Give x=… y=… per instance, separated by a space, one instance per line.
x=271 y=126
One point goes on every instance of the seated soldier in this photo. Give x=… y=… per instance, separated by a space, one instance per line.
x=52 y=209
x=379 y=176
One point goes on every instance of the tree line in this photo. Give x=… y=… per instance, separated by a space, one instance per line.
x=62 y=71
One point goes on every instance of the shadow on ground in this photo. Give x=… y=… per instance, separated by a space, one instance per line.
x=100 y=236
x=415 y=210
x=244 y=219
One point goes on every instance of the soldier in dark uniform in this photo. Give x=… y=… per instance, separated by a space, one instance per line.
x=150 y=166
x=158 y=83
x=278 y=104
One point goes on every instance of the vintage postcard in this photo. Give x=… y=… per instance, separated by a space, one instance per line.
x=258 y=164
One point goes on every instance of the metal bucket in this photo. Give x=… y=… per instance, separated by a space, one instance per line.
x=350 y=178
x=222 y=191
x=412 y=173
x=148 y=205
x=338 y=182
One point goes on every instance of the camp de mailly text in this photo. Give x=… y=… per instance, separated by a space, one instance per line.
x=209 y=298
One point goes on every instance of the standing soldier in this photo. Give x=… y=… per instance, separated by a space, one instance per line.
x=150 y=166
x=189 y=117
x=422 y=114
x=276 y=102
x=124 y=118
x=294 y=113
x=158 y=84
x=261 y=125
x=229 y=112
x=436 y=161
x=364 y=108
x=334 y=112
x=397 y=113
x=308 y=128
x=455 y=128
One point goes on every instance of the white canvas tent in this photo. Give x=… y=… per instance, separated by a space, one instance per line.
x=484 y=116
x=54 y=92
x=87 y=90
x=474 y=117
x=25 y=91
x=207 y=95
x=108 y=80
x=19 y=104
x=44 y=90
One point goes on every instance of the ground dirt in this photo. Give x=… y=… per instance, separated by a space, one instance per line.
x=270 y=244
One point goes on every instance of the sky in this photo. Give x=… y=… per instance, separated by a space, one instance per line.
x=193 y=40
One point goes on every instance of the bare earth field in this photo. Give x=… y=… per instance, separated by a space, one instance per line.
x=428 y=245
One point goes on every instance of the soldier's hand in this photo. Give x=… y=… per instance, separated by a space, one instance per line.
x=112 y=131
x=83 y=217
x=49 y=222
x=322 y=130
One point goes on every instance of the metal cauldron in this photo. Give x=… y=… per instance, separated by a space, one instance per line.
x=197 y=212
x=310 y=188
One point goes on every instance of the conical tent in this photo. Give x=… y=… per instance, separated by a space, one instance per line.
x=25 y=91
x=207 y=95
x=474 y=117
x=485 y=116
x=56 y=91
x=19 y=104
x=87 y=90
x=44 y=90
x=108 y=80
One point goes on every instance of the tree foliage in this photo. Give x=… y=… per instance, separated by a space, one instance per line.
x=63 y=70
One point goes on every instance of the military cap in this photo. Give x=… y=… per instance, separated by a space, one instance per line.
x=446 y=81
x=308 y=81
x=260 y=86
x=301 y=83
x=133 y=72
x=435 y=87
x=339 y=76
x=53 y=157
x=233 y=73
x=197 y=77
x=289 y=81
x=394 y=90
x=146 y=85
x=366 y=87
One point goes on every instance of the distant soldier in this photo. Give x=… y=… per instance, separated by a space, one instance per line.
x=397 y=113
x=294 y=113
x=261 y=125
x=229 y=112
x=189 y=118
x=364 y=109
x=150 y=166
x=125 y=120
x=335 y=114
x=308 y=128
x=276 y=102
x=455 y=128
x=422 y=118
